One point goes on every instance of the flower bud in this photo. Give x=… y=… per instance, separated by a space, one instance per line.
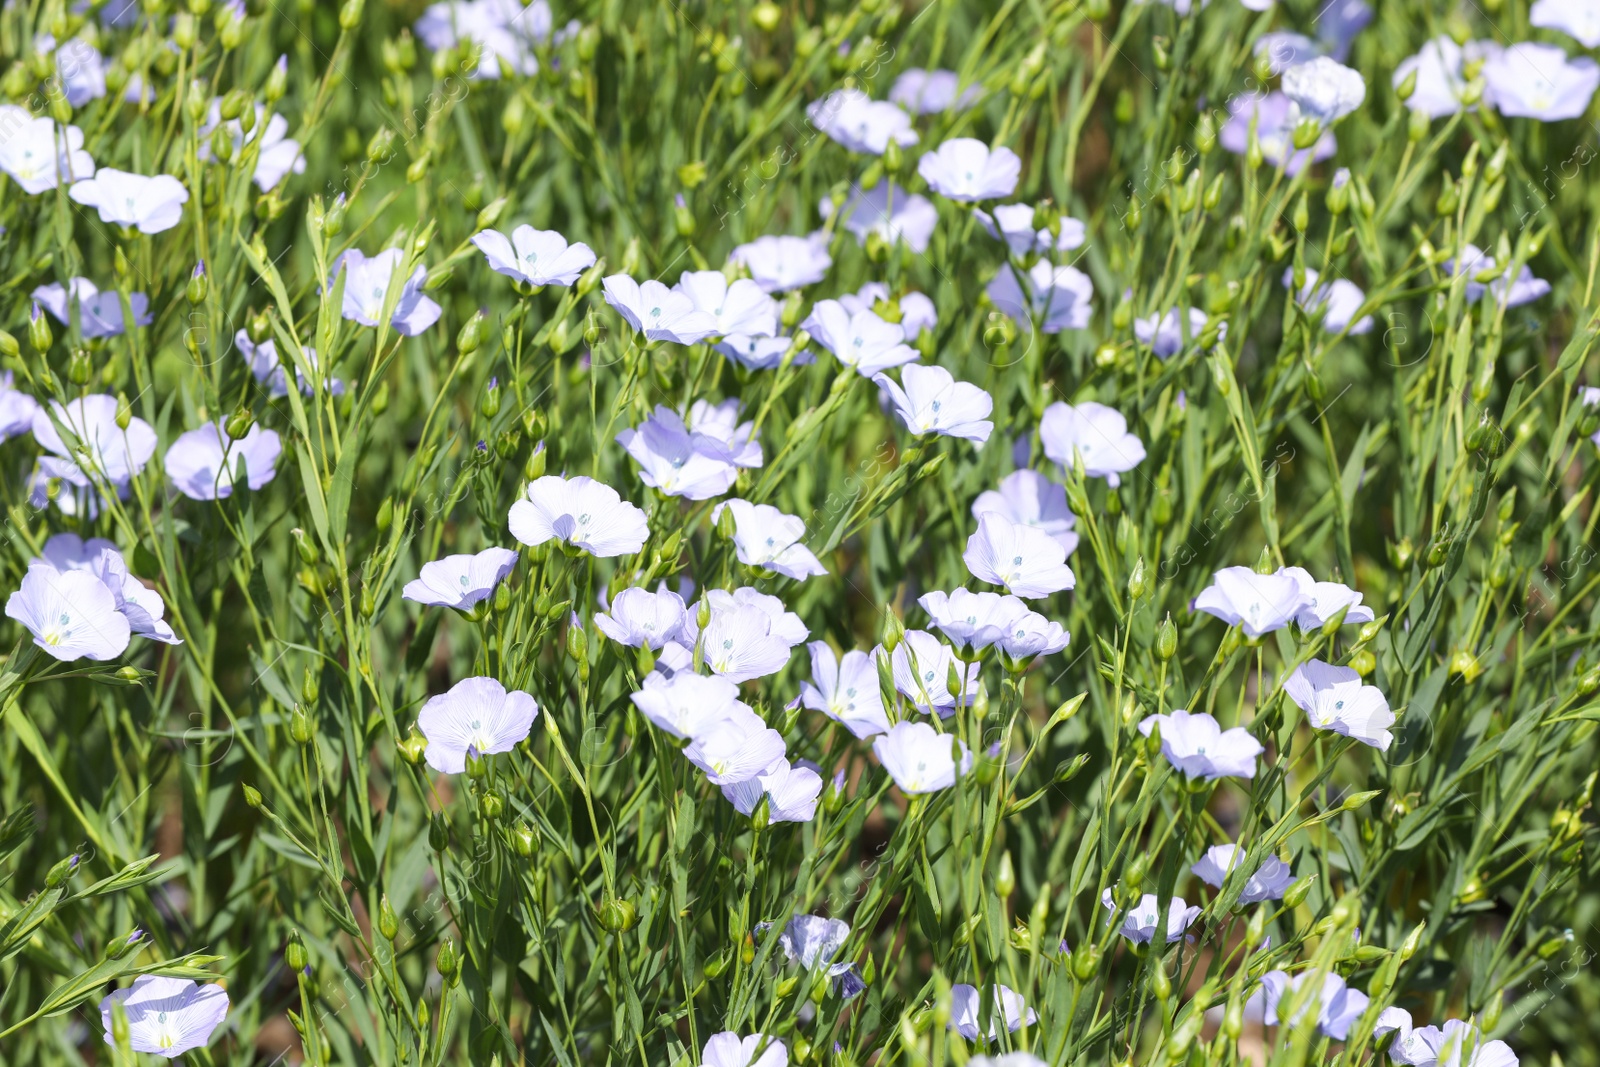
x=1005 y=881
x=894 y=631
x=523 y=839
x=1085 y=962
x=1166 y=638
x=388 y=921
x=252 y=796
x=39 y=333
x=239 y=424
x=617 y=915
x=120 y=947
x=294 y=953
x=1138 y=581
x=1296 y=894
x=124 y=412
x=445 y=962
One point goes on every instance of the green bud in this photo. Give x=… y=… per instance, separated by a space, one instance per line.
x=894 y=631
x=1085 y=962
x=446 y=963
x=1160 y=984
x=294 y=953
x=1138 y=581
x=1005 y=882
x=523 y=839
x=1296 y=894
x=252 y=796
x=438 y=832
x=39 y=332
x=300 y=726
x=617 y=915
x=1166 y=638
x=239 y=423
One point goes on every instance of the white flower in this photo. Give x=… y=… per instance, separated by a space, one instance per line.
x=1033 y=635
x=1164 y=333
x=718 y=426
x=151 y=204
x=862 y=340
x=461 y=581
x=1013 y=224
x=677 y=462
x=1578 y=19
x=920 y=759
x=1335 y=699
x=37 y=153
x=70 y=614
x=167 y=1016
x=638 y=617
x=759 y=352
x=499 y=33
x=581 y=512
x=1538 y=81
x=1440 y=84
x=1260 y=603
x=476 y=715
x=115 y=454
x=792 y=792
x=267 y=369
x=279 y=154
x=687 y=704
x=1026 y=560
x=750 y=634
x=1338 y=301
x=765 y=537
x=1337 y=1006
x=966 y=1003
x=917 y=312
x=1196 y=745
x=661 y=314
x=921 y=664
x=968 y=170
x=1324 y=600
x=140 y=605
x=366 y=284
x=1060 y=298
x=535 y=257
x=739 y=307
x=1029 y=498
x=975 y=620
x=1140 y=922
x=1267 y=882
x=16 y=409
x=890 y=212
x=728 y=1049
x=845 y=690
x=860 y=123
x=1324 y=89
x=932 y=401
x=99 y=313
x=780 y=263
x=203 y=463
x=927 y=92
x=736 y=748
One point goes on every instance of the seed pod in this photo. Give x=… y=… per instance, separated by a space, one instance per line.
x=618 y=915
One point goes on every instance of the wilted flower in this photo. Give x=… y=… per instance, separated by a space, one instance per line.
x=37 y=154
x=728 y=1049
x=1578 y=19
x=813 y=941
x=966 y=1003
x=845 y=690
x=890 y=212
x=661 y=314
x=780 y=263
x=736 y=748
x=1267 y=882
x=1337 y=1005
x=928 y=92
x=71 y=614
x=738 y=307
x=1324 y=89
x=1438 y=67
x=99 y=313
x=366 y=284
x=860 y=123
x=1338 y=301
x=975 y=620
x=1197 y=746
x=932 y=401
x=203 y=463
x=1026 y=560
x=150 y=204
x=1275 y=119
x=1335 y=699
x=1324 y=600
x=167 y=1016
x=920 y=759
x=115 y=454
x=1060 y=298
x=1013 y=224
x=637 y=617
x=537 y=257
x=1140 y=922
x=1094 y=433
x=791 y=792
x=766 y=537
x=1260 y=603
x=750 y=634
x=477 y=715
x=279 y=153
x=917 y=312
x=1029 y=498
x=461 y=581
x=578 y=511
x=966 y=169
x=862 y=340
x=1538 y=81
x=1164 y=333
x=921 y=665
x=1524 y=289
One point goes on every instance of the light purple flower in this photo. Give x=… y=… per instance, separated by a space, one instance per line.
x=1029 y=498
x=736 y=748
x=502 y=33
x=150 y=204
x=167 y=1016
x=1164 y=334
x=973 y=620
x=813 y=941
x=968 y=170
x=921 y=665
x=750 y=634
x=1094 y=432
x=862 y=340
x=1440 y=84
x=203 y=463
x=792 y=792
x=1474 y=262
x=1324 y=89
x=115 y=454
x=279 y=153
x=461 y=581
x=890 y=212
x=1538 y=81
x=738 y=307
x=79 y=66
x=1335 y=699
x=270 y=372
x=638 y=617
x=966 y=1003
x=917 y=312
x=860 y=123
x=686 y=704
x=140 y=605
x=677 y=462
x=1260 y=603
x=1285 y=49
x=1267 y=882
x=1013 y=224
x=661 y=314
x=728 y=1049
x=717 y=427
x=928 y=92
x=932 y=401
x=99 y=313
x=920 y=759
x=1338 y=23
x=845 y=690
x=1337 y=1005
x=1324 y=600
x=1197 y=746
x=366 y=284
x=760 y=353
x=578 y=511
x=38 y=154
x=1060 y=298
x=1275 y=121
x=1033 y=635
x=534 y=257
x=780 y=263
x=17 y=409
x=1140 y=922
x=1456 y=1044
x=1578 y=19
x=1026 y=560
x=1337 y=301
x=477 y=715
x=71 y=614
x=765 y=537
